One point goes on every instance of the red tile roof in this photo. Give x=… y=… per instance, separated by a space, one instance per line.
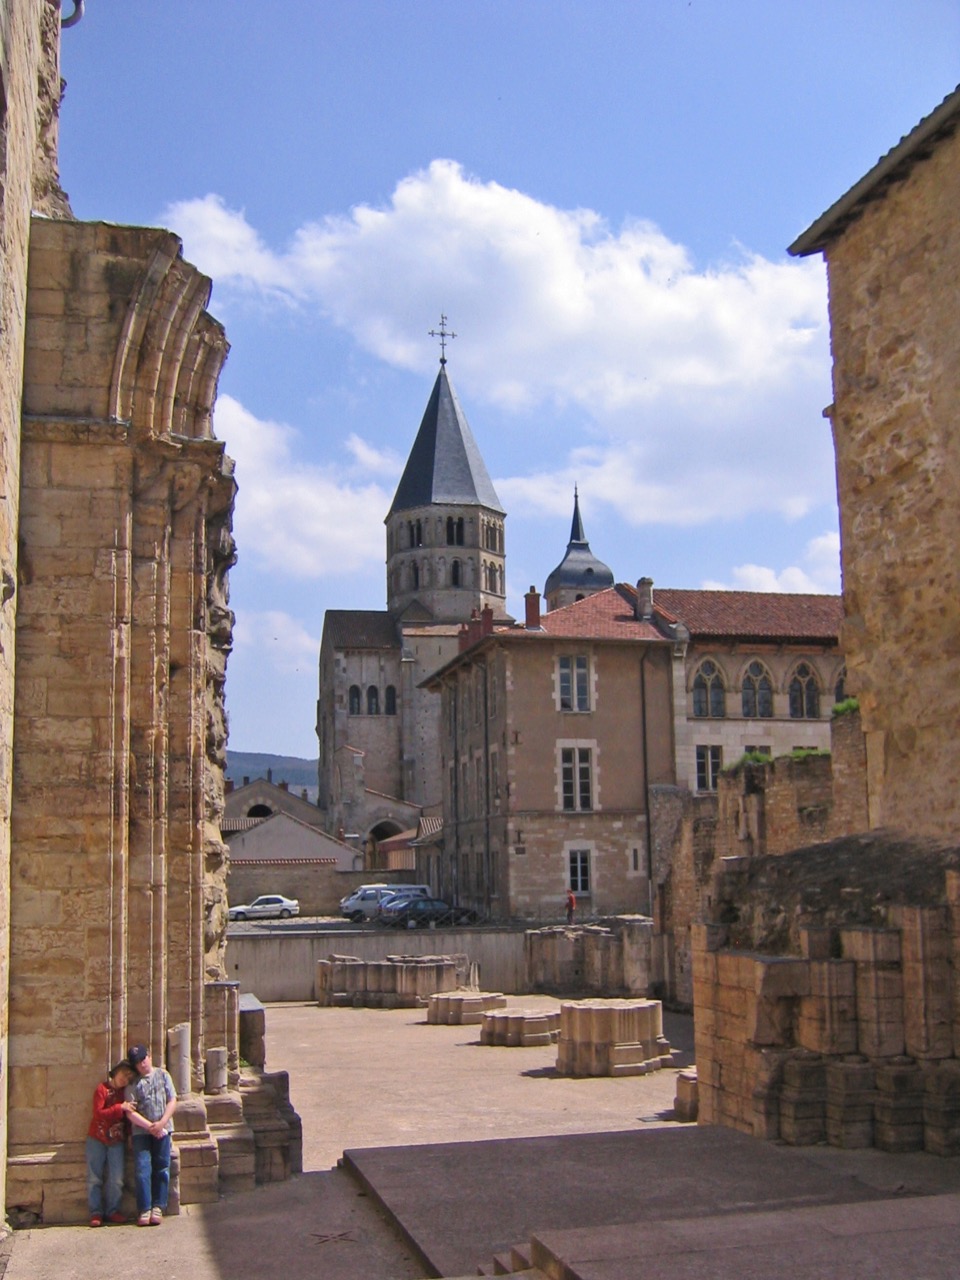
x=606 y=615
x=772 y=617
x=751 y=615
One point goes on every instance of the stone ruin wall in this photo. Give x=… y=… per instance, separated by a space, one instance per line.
x=118 y=901
x=827 y=1008
x=896 y=381
x=759 y=810
x=29 y=106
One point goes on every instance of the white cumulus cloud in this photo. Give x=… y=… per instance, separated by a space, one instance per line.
x=820 y=571
x=688 y=392
x=294 y=517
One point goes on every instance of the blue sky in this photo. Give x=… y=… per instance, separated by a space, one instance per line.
x=599 y=194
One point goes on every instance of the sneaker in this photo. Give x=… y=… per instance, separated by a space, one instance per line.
x=144 y=1219
x=116 y=1218
x=96 y=1221
x=156 y=1216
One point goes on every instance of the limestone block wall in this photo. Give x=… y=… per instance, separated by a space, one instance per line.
x=319 y=886
x=600 y=960
x=23 y=108
x=896 y=380
x=118 y=903
x=759 y=810
x=684 y=831
x=847 y=1033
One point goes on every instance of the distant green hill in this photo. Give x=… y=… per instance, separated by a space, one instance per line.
x=298 y=772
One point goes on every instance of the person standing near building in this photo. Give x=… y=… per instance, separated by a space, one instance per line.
x=571 y=905
x=155 y=1099
x=105 y=1146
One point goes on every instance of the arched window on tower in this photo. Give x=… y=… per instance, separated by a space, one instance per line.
x=459 y=531
x=414 y=575
x=354 y=700
x=757 y=692
x=840 y=688
x=455 y=574
x=373 y=701
x=804 y=694
x=451 y=532
x=390 y=701
x=709 y=695
x=500 y=579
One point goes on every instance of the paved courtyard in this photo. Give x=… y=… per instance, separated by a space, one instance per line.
x=472 y=1149
x=359 y=1078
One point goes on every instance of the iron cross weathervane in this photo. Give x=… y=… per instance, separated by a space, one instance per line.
x=443 y=333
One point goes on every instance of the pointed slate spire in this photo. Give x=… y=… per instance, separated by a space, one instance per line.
x=444 y=465
x=579 y=573
x=576 y=528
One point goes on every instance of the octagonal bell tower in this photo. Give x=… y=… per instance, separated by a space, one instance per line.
x=445 y=527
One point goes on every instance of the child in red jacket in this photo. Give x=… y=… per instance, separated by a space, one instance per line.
x=105 y=1146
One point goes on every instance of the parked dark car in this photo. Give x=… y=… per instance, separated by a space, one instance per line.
x=418 y=913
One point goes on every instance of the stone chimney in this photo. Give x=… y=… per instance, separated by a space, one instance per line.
x=303 y=793
x=284 y=786
x=645 y=599
x=486 y=620
x=246 y=781
x=531 y=603
x=227 y=786
x=463 y=638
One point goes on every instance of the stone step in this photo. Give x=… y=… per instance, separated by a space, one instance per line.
x=224 y=1108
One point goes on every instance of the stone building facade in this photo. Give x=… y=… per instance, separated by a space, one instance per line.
x=648 y=693
x=758 y=672
x=445 y=553
x=892 y=248
x=552 y=733
x=112 y=867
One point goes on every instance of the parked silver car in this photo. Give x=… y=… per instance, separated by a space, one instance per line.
x=266 y=906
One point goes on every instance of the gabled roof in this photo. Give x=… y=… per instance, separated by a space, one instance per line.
x=751 y=615
x=321 y=839
x=360 y=629
x=893 y=167
x=445 y=465
x=579 y=568
x=606 y=615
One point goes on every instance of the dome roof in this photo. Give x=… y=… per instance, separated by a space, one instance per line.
x=579 y=570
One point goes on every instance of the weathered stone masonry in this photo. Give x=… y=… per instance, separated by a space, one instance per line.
x=118 y=870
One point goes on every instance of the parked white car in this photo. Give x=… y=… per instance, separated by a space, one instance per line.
x=266 y=906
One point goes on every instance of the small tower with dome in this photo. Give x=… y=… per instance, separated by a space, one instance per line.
x=579 y=573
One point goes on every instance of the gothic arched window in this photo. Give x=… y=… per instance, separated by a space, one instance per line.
x=757 y=692
x=455 y=574
x=804 y=694
x=354 y=700
x=414 y=576
x=709 y=695
x=390 y=701
x=373 y=701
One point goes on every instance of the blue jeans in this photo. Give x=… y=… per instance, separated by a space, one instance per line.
x=151 y=1164
x=104 y=1177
